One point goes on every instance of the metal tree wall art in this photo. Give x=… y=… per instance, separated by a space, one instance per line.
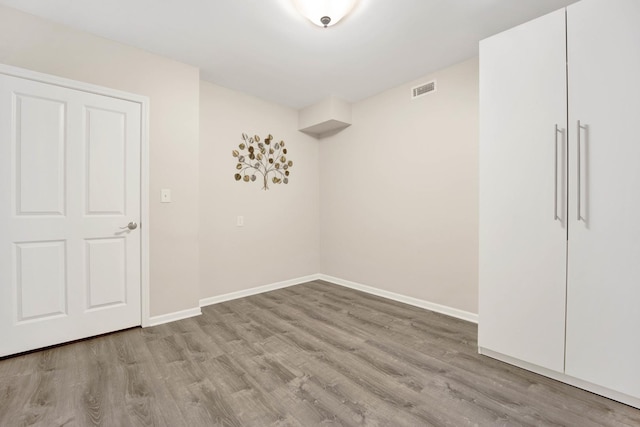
x=268 y=159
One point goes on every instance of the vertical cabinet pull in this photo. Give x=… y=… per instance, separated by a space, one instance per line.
x=555 y=178
x=579 y=130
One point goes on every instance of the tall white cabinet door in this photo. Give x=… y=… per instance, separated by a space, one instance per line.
x=523 y=214
x=603 y=311
x=69 y=182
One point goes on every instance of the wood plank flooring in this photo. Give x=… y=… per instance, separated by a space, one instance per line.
x=309 y=355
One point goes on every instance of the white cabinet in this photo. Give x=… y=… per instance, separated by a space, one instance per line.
x=523 y=247
x=560 y=196
x=603 y=288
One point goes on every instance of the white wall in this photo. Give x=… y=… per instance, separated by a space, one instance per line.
x=280 y=237
x=173 y=88
x=399 y=192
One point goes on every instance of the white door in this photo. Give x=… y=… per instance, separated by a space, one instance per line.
x=523 y=235
x=603 y=311
x=69 y=182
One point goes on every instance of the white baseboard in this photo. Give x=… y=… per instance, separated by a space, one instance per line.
x=438 y=308
x=257 y=290
x=172 y=317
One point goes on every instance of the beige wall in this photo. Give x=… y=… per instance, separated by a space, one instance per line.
x=389 y=202
x=173 y=89
x=399 y=192
x=280 y=237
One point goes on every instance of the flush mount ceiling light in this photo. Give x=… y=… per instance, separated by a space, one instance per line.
x=324 y=13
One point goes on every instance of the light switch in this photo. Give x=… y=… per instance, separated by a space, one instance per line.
x=165 y=195
x=240 y=221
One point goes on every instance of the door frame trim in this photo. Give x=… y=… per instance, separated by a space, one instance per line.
x=36 y=76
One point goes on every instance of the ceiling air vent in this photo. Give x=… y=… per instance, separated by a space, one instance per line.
x=423 y=89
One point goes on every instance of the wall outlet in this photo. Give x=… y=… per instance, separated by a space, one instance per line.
x=165 y=195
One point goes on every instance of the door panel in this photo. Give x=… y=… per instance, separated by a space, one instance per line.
x=69 y=185
x=604 y=246
x=37 y=263
x=106 y=166
x=106 y=272
x=39 y=155
x=522 y=190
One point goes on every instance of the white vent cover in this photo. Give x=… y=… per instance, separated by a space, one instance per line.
x=423 y=89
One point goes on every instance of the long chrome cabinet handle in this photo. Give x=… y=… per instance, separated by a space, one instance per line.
x=579 y=129
x=555 y=180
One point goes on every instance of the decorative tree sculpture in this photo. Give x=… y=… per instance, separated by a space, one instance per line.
x=265 y=158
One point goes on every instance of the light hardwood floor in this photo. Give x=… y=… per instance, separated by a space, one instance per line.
x=313 y=354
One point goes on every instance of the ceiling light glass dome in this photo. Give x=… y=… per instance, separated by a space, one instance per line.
x=324 y=13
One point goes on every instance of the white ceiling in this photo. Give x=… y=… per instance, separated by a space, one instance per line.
x=264 y=48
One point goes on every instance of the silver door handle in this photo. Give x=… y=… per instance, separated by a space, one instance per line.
x=555 y=180
x=580 y=127
x=130 y=226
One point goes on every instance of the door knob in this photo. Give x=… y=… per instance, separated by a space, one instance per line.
x=130 y=226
